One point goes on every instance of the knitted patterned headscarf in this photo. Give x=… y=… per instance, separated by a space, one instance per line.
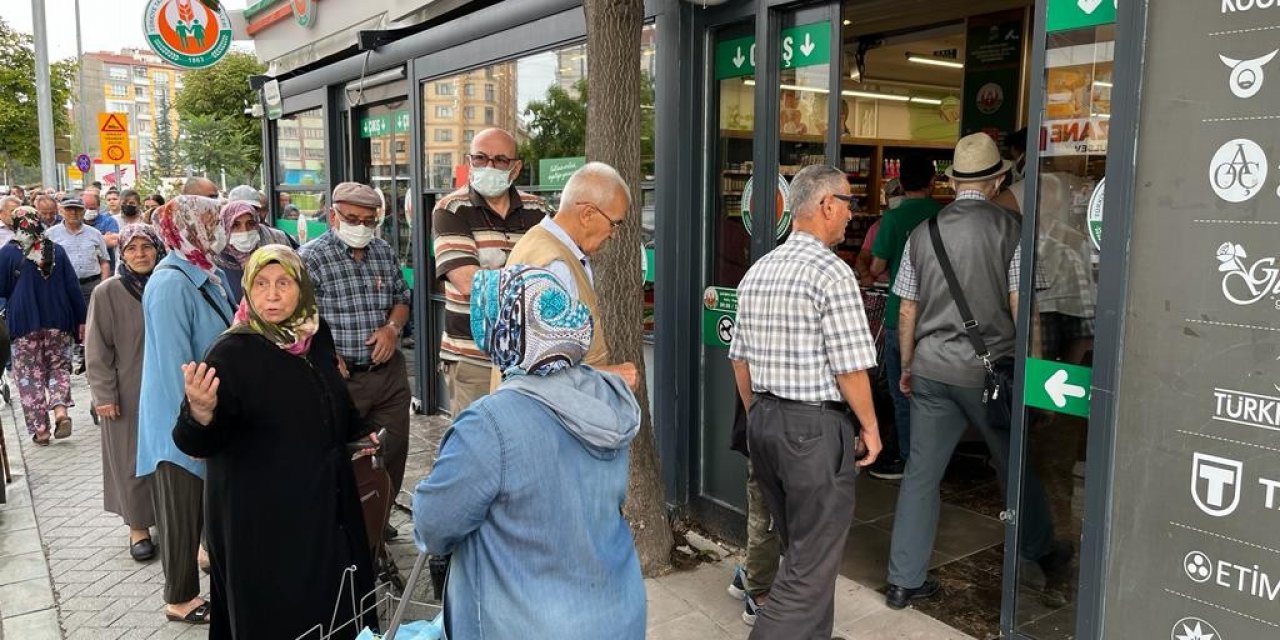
x=527 y=322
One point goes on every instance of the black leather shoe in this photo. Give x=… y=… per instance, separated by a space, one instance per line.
x=143 y=550
x=901 y=597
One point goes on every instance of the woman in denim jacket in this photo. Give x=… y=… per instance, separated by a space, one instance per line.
x=527 y=492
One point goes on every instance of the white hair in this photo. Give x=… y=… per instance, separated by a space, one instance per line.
x=595 y=182
x=13 y=200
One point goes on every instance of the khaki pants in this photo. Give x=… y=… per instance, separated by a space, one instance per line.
x=468 y=382
x=763 y=548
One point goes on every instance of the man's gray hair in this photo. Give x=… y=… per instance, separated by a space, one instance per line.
x=810 y=185
x=36 y=201
x=11 y=200
x=595 y=182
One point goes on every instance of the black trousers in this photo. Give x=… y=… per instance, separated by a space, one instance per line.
x=383 y=396
x=179 y=503
x=804 y=461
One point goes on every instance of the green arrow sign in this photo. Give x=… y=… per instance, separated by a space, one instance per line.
x=1078 y=14
x=802 y=46
x=1060 y=387
x=719 y=316
x=375 y=126
x=402 y=122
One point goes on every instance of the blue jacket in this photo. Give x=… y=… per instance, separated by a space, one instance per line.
x=181 y=325
x=36 y=303
x=527 y=495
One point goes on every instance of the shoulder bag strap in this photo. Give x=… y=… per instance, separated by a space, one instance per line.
x=957 y=294
x=207 y=298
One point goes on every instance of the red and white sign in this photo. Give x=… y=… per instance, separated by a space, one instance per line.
x=1074 y=137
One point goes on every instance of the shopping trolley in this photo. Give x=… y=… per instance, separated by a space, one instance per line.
x=391 y=607
x=874 y=301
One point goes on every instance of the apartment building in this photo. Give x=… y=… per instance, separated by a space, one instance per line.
x=135 y=82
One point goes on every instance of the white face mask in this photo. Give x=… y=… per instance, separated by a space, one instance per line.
x=244 y=241
x=90 y=214
x=490 y=182
x=219 y=240
x=356 y=236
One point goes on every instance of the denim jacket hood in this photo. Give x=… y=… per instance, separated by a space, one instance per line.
x=595 y=407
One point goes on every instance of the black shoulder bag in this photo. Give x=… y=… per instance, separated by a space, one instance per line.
x=998 y=392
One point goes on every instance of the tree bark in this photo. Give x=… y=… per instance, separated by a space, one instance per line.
x=613 y=137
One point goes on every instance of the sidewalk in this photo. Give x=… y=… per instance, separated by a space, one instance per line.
x=65 y=570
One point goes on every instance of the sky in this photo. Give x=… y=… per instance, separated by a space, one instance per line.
x=106 y=25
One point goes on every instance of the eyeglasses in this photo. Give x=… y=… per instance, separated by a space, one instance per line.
x=372 y=223
x=613 y=224
x=849 y=200
x=478 y=160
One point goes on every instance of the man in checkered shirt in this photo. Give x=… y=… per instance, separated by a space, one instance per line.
x=801 y=351
x=364 y=299
x=946 y=378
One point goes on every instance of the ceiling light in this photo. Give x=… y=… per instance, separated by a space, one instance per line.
x=872 y=95
x=847 y=22
x=1100 y=83
x=935 y=61
x=919 y=100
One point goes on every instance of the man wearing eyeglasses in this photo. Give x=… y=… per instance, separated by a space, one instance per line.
x=594 y=203
x=475 y=228
x=363 y=297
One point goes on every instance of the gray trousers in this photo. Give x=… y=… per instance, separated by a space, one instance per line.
x=179 y=502
x=940 y=414
x=803 y=459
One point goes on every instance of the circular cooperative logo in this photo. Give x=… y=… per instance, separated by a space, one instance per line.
x=1193 y=628
x=1197 y=566
x=1095 y=213
x=783 y=206
x=1238 y=170
x=990 y=98
x=187 y=33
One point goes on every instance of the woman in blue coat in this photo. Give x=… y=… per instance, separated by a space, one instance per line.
x=45 y=310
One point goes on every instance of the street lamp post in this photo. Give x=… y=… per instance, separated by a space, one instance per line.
x=44 y=99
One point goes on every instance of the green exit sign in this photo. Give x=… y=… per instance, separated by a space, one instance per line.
x=1064 y=15
x=374 y=126
x=1057 y=386
x=802 y=46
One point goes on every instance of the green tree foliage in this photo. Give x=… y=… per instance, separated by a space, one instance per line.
x=221 y=92
x=557 y=126
x=166 y=159
x=19 y=127
x=212 y=145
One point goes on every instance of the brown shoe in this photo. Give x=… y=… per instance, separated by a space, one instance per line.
x=62 y=428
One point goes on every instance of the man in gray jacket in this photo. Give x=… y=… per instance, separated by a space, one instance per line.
x=944 y=376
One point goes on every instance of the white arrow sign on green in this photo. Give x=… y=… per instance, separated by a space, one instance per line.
x=1057 y=386
x=802 y=46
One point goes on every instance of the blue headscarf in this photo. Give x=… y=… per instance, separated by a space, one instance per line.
x=527 y=322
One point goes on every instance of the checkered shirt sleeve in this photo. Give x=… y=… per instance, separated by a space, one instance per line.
x=849 y=344
x=907 y=286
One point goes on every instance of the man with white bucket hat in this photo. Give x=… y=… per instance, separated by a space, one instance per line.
x=944 y=373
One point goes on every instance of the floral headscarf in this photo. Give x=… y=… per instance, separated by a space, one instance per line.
x=230 y=257
x=295 y=333
x=133 y=281
x=527 y=322
x=191 y=227
x=28 y=231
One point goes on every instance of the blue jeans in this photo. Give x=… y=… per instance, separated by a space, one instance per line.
x=901 y=404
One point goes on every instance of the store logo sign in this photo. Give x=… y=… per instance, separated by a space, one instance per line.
x=1234 y=6
x=1238 y=170
x=1198 y=567
x=186 y=32
x=1246 y=285
x=1215 y=484
x=1193 y=628
x=1246 y=75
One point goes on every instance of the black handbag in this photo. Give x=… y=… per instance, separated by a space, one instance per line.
x=997 y=394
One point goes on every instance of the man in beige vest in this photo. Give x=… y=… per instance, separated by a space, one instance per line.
x=594 y=203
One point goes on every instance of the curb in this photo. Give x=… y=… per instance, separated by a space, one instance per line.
x=28 y=607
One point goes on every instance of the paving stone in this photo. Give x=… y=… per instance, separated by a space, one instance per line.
x=21 y=567
x=40 y=625
x=26 y=597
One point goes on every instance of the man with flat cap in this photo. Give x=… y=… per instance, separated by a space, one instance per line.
x=363 y=297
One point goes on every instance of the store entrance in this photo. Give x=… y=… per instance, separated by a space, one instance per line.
x=908 y=88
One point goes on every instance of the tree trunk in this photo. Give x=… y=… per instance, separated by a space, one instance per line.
x=613 y=137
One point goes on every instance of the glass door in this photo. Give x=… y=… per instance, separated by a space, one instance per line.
x=1071 y=164
x=736 y=235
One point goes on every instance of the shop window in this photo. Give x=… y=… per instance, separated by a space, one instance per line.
x=300 y=151
x=444 y=112
x=444 y=135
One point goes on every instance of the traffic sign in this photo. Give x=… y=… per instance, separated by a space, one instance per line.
x=113 y=135
x=84 y=162
x=719 y=316
x=802 y=46
x=1059 y=387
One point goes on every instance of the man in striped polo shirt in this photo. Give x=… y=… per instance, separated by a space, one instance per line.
x=475 y=228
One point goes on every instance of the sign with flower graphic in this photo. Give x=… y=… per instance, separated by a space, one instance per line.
x=187 y=33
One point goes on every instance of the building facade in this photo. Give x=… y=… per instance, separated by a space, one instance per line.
x=135 y=82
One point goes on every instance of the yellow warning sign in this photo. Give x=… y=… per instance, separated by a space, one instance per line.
x=113 y=135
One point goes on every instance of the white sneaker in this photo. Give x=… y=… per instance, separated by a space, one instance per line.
x=738 y=586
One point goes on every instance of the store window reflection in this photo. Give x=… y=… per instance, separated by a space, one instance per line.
x=300 y=169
